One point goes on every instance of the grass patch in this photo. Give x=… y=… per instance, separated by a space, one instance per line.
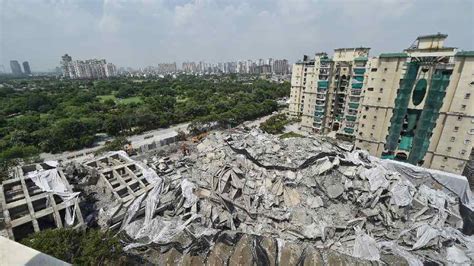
x=291 y=135
x=128 y=100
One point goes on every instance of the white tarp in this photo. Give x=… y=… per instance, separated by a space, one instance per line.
x=365 y=247
x=50 y=181
x=402 y=193
x=455 y=183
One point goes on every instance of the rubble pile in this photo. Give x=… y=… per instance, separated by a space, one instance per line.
x=301 y=190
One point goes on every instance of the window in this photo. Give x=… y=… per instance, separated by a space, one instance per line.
x=459 y=118
x=467 y=141
x=381 y=90
x=378 y=99
x=448 y=149
x=445 y=159
x=385 y=69
x=364 y=116
x=375 y=117
x=373 y=126
x=467 y=96
x=462 y=152
x=463 y=107
x=456 y=129
x=373 y=69
x=442 y=166
x=367 y=108
x=362 y=125
x=370 y=89
x=453 y=139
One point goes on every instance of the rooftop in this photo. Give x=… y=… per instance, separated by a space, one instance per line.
x=437 y=35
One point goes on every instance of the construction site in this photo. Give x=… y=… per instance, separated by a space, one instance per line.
x=242 y=197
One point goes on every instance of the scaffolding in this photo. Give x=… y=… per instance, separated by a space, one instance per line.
x=429 y=115
x=401 y=104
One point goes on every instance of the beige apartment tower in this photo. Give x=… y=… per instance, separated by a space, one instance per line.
x=326 y=92
x=418 y=106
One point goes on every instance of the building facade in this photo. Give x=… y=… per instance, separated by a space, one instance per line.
x=26 y=68
x=417 y=106
x=88 y=69
x=325 y=92
x=15 y=67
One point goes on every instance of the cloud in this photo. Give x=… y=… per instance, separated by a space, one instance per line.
x=144 y=32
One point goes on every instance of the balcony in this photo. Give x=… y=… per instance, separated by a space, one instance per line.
x=359 y=71
x=320 y=103
x=351 y=118
x=349 y=130
x=357 y=85
x=323 y=84
x=318 y=126
x=319 y=113
x=356 y=79
x=320 y=97
x=354 y=105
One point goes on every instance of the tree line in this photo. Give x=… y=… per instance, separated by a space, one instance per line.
x=52 y=115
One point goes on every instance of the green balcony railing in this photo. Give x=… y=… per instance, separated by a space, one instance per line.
x=323 y=84
x=349 y=130
x=354 y=105
x=359 y=71
x=350 y=117
x=357 y=85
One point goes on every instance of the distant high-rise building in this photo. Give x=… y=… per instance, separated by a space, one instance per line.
x=16 y=68
x=88 y=69
x=26 y=68
x=280 y=67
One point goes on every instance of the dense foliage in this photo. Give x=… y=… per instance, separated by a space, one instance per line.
x=51 y=115
x=91 y=247
x=275 y=124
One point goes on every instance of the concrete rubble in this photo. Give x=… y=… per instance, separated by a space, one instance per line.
x=245 y=196
x=298 y=190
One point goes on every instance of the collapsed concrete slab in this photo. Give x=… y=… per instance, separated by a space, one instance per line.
x=305 y=190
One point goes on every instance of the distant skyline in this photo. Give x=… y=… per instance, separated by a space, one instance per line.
x=142 y=33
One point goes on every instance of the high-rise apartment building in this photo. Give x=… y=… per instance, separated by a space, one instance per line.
x=26 y=68
x=325 y=92
x=88 y=69
x=15 y=67
x=280 y=67
x=415 y=106
x=418 y=106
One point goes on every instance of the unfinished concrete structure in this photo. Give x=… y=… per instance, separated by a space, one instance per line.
x=27 y=208
x=122 y=177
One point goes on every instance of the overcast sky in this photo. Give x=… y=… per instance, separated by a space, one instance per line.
x=141 y=33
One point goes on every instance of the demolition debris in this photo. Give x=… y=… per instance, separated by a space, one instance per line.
x=309 y=194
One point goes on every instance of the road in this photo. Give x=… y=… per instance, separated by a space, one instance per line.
x=136 y=140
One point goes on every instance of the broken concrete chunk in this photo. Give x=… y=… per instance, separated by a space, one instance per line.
x=335 y=190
